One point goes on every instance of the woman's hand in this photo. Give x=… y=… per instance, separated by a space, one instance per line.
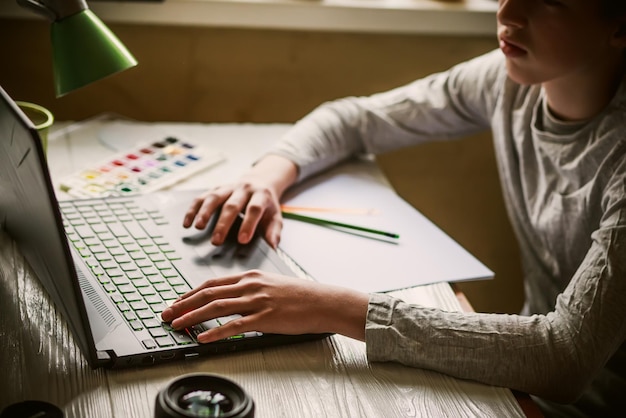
x=270 y=303
x=256 y=194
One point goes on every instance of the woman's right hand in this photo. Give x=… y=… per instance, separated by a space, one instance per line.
x=256 y=195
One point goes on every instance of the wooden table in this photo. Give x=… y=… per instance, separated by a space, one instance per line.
x=326 y=378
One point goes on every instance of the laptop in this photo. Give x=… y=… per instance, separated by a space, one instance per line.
x=112 y=264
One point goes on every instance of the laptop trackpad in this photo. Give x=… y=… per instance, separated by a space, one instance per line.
x=231 y=258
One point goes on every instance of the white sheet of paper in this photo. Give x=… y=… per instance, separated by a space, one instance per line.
x=423 y=254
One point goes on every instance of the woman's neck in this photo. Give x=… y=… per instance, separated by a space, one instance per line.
x=582 y=96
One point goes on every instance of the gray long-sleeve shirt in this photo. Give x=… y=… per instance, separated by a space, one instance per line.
x=564 y=185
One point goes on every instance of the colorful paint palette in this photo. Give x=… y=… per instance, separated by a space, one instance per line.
x=145 y=168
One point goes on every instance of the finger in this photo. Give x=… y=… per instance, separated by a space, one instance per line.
x=217 y=308
x=262 y=211
x=255 y=211
x=273 y=230
x=230 y=211
x=200 y=209
x=186 y=302
x=210 y=205
x=190 y=215
x=235 y=327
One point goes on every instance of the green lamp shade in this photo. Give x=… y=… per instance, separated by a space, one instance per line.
x=85 y=50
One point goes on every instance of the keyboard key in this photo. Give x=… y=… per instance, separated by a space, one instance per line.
x=146 y=291
x=158 y=332
x=109 y=287
x=157 y=257
x=84 y=232
x=164 y=341
x=181 y=289
x=123 y=307
x=152 y=299
x=151 y=249
x=151 y=228
x=104 y=279
x=103 y=257
x=108 y=264
x=149 y=271
x=151 y=323
x=120 y=280
x=175 y=280
x=91 y=241
x=163 y=265
x=125 y=240
x=114 y=272
x=126 y=288
x=117 y=251
x=141 y=283
x=157 y=308
x=138 y=255
x=99 y=227
x=162 y=287
x=111 y=244
x=128 y=266
x=135 y=230
x=181 y=337
x=106 y=236
x=144 y=263
x=134 y=275
x=130 y=316
x=167 y=248
x=136 y=325
x=160 y=241
x=117 y=229
x=169 y=273
x=145 y=314
x=138 y=305
x=130 y=247
x=98 y=271
x=123 y=258
x=156 y=279
x=169 y=295
x=149 y=344
x=131 y=297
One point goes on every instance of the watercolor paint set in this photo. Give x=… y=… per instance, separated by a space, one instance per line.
x=142 y=168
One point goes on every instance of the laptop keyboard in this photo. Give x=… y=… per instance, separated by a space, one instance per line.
x=122 y=244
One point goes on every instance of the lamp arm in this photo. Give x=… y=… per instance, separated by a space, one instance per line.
x=54 y=9
x=39 y=8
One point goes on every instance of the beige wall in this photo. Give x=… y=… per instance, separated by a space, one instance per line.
x=236 y=75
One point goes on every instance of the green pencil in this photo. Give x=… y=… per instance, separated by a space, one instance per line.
x=318 y=221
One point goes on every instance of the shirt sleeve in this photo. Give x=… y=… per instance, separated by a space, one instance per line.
x=555 y=355
x=442 y=106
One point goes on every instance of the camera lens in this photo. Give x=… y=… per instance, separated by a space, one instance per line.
x=203 y=395
x=39 y=409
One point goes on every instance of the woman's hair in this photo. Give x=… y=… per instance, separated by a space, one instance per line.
x=614 y=9
x=611 y=9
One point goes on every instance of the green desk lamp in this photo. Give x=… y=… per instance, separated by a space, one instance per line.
x=83 y=48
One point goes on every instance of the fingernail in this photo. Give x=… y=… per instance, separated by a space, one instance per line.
x=167 y=314
x=243 y=237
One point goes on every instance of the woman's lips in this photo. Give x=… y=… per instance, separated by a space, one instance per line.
x=510 y=50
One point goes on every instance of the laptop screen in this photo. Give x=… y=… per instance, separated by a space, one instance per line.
x=29 y=214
